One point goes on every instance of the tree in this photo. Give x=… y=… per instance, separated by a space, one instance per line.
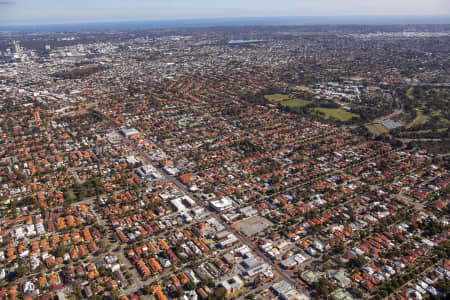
x=147 y=290
x=356 y=262
x=275 y=179
x=443 y=285
x=220 y=293
x=70 y=196
x=20 y=271
x=190 y=286
x=180 y=292
x=207 y=282
x=115 y=295
x=77 y=293
x=324 y=286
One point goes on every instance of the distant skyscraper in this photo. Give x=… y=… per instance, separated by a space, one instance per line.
x=17 y=48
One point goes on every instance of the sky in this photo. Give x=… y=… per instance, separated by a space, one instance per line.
x=31 y=12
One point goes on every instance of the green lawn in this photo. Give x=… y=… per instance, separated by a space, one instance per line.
x=303 y=89
x=277 y=97
x=420 y=119
x=409 y=133
x=295 y=103
x=429 y=130
x=410 y=94
x=337 y=113
x=439 y=113
x=377 y=128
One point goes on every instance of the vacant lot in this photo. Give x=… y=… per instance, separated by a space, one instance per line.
x=377 y=128
x=276 y=97
x=337 y=113
x=253 y=225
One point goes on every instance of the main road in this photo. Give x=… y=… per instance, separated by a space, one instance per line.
x=240 y=236
x=144 y=156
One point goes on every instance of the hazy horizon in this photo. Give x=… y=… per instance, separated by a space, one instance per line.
x=44 y=12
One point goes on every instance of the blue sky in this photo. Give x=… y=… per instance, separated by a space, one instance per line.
x=19 y=12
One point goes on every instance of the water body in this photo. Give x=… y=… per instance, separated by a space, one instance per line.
x=221 y=22
x=245 y=41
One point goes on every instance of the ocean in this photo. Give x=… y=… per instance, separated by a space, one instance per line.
x=224 y=22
